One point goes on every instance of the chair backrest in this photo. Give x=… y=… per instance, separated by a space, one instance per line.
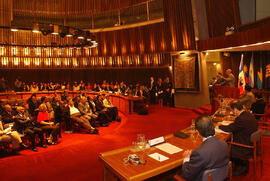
x=256 y=135
x=217 y=174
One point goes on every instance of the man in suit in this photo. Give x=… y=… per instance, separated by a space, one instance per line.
x=152 y=90
x=24 y=124
x=9 y=134
x=244 y=125
x=230 y=80
x=212 y=153
x=167 y=92
x=258 y=107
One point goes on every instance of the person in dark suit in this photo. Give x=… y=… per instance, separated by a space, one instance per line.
x=258 y=107
x=33 y=105
x=152 y=90
x=244 y=125
x=24 y=124
x=167 y=92
x=205 y=157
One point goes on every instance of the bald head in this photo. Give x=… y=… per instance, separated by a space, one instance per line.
x=205 y=126
x=228 y=71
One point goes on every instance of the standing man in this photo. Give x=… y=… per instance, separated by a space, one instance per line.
x=212 y=153
x=244 y=125
x=152 y=91
x=167 y=92
x=230 y=80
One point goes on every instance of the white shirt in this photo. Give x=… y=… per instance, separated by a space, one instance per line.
x=73 y=110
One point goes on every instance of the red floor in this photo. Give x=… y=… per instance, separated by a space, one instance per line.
x=76 y=157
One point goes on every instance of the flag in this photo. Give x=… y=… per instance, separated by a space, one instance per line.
x=251 y=72
x=267 y=74
x=259 y=76
x=241 y=77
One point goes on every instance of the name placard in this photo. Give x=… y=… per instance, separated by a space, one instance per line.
x=156 y=141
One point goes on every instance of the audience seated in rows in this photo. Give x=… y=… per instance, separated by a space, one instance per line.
x=162 y=90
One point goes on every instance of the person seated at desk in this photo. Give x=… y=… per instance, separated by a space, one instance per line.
x=244 y=125
x=205 y=157
x=258 y=107
x=248 y=98
x=78 y=117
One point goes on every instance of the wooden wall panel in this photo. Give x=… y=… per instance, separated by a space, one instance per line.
x=176 y=33
x=220 y=14
x=250 y=36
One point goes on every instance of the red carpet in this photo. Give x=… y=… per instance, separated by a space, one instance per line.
x=76 y=157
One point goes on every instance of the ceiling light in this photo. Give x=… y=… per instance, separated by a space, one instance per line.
x=35 y=31
x=14 y=29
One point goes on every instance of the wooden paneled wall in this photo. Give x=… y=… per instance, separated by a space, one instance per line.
x=175 y=34
x=220 y=14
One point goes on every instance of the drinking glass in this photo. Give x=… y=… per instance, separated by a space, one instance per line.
x=141 y=142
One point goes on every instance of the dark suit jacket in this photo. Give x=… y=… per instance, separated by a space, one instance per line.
x=242 y=128
x=213 y=153
x=258 y=107
x=7 y=116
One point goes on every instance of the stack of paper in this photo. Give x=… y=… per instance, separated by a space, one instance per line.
x=168 y=148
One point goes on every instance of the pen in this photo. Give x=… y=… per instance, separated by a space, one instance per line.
x=158 y=157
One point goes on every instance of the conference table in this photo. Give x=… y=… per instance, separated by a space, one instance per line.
x=114 y=167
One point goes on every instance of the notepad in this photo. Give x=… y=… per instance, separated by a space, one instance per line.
x=158 y=157
x=168 y=148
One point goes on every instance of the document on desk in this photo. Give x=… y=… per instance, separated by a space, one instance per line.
x=168 y=148
x=158 y=157
x=217 y=130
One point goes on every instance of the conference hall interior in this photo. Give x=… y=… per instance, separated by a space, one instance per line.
x=132 y=90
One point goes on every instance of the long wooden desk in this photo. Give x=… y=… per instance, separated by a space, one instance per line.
x=115 y=169
x=124 y=103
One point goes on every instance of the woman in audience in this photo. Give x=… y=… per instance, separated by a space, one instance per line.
x=47 y=125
